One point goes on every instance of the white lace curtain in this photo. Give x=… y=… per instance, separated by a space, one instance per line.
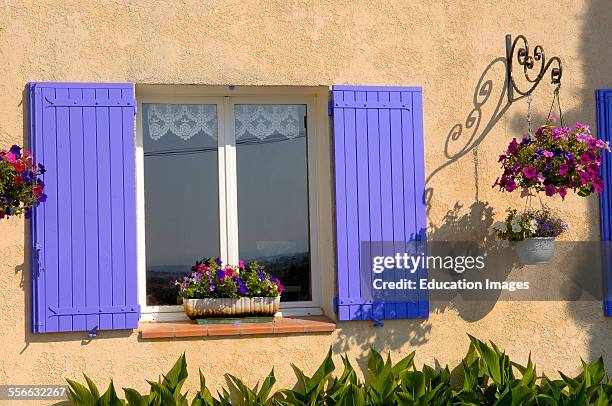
x=257 y=120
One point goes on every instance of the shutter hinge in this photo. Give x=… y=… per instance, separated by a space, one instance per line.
x=377 y=322
x=41 y=266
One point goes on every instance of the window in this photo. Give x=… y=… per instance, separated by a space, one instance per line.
x=227 y=177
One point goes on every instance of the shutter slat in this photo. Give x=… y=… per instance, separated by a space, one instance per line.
x=62 y=115
x=77 y=204
x=340 y=187
x=105 y=278
x=50 y=244
x=92 y=277
x=379 y=177
x=129 y=208
x=85 y=278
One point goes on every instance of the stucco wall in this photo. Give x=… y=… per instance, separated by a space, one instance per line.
x=450 y=48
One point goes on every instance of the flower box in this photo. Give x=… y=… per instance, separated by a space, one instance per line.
x=213 y=289
x=231 y=307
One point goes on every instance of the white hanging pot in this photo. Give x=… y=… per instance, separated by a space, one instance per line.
x=533 y=251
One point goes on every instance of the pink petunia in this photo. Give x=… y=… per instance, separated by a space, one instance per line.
x=562 y=192
x=530 y=172
x=11 y=157
x=550 y=190
x=548 y=154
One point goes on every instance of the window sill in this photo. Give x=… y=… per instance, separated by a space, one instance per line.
x=284 y=325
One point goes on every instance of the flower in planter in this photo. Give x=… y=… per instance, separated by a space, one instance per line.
x=531 y=224
x=209 y=278
x=554 y=161
x=21 y=189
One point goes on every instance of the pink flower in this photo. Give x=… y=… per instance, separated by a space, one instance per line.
x=582 y=137
x=562 y=192
x=241 y=264
x=541 y=177
x=11 y=157
x=552 y=118
x=583 y=127
x=547 y=154
x=563 y=169
x=602 y=145
x=550 y=190
x=598 y=184
x=202 y=267
x=229 y=272
x=530 y=172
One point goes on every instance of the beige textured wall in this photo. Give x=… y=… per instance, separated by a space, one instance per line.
x=450 y=48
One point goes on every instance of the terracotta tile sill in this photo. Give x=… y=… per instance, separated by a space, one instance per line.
x=284 y=325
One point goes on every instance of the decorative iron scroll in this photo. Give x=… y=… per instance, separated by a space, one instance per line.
x=529 y=61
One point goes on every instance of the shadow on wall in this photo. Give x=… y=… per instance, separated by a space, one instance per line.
x=490 y=103
x=596 y=54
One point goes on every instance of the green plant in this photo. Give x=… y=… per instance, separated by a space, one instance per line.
x=486 y=376
x=210 y=279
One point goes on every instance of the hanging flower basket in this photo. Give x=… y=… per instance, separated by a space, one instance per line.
x=531 y=234
x=536 y=250
x=555 y=160
x=214 y=290
x=21 y=189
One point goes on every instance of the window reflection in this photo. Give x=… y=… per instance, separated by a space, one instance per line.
x=272 y=176
x=181 y=193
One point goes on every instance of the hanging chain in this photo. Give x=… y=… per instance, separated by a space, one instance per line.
x=529 y=99
x=556 y=97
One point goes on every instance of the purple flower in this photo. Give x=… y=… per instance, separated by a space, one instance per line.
x=212 y=288
x=220 y=274
x=218 y=261
x=513 y=147
x=16 y=150
x=563 y=169
x=530 y=172
x=550 y=190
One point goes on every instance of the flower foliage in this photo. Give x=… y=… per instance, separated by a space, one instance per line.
x=555 y=161
x=209 y=278
x=531 y=224
x=21 y=189
x=485 y=376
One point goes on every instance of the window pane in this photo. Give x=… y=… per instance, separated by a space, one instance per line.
x=181 y=192
x=272 y=181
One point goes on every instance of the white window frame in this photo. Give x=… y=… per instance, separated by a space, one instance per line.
x=228 y=208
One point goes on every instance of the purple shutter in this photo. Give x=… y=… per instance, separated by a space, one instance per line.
x=604 y=131
x=84 y=235
x=379 y=185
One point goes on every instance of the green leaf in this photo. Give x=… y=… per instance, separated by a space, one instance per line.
x=80 y=395
x=110 y=398
x=134 y=398
x=405 y=363
x=92 y=387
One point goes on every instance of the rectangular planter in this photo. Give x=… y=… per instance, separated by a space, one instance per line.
x=224 y=307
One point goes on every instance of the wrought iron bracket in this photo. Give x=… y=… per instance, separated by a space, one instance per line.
x=518 y=52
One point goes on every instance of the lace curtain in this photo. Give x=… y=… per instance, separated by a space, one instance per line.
x=257 y=120
x=182 y=120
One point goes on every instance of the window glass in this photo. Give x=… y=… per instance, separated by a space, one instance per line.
x=181 y=184
x=272 y=180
